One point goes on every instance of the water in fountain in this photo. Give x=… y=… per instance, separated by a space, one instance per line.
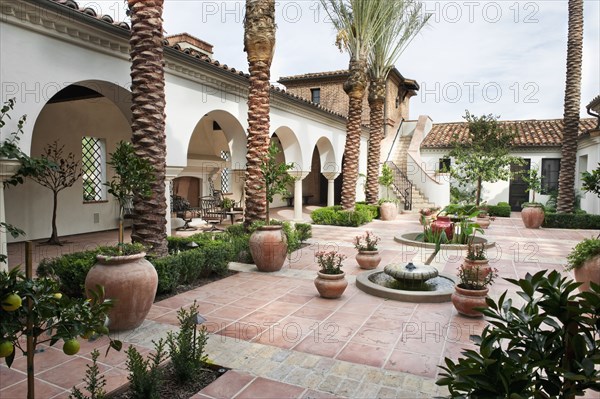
x=411 y=277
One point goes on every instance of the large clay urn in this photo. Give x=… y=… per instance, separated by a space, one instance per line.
x=443 y=223
x=368 y=260
x=388 y=211
x=268 y=247
x=588 y=271
x=131 y=282
x=331 y=286
x=533 y=216
x=465 y=301
x=483 y=222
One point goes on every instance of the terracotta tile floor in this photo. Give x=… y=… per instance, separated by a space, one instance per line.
x=285 y=312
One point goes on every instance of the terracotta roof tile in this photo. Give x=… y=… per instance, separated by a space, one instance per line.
x=194 y=54
x=530 y=133
x=315 y=75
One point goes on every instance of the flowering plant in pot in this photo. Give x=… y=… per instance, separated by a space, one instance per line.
x=472 y=288
x=427 y=215
x=368 y=256
x=124 y=267
x=268 y=244
x=330 y=281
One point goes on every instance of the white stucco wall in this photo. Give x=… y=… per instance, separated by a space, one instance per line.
x=588 y=157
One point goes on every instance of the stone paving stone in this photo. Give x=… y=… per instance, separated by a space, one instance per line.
x=297 y=376
x=365 y=390
x=387 y=393
x=312 y=380
x=346 y=387
x=310 y=361
x=392 y=379
x=280 y=355
x=295 y=359
x=330 y=383
x=324 y=365
x=280 y=371
x=374 y=375
x=412 y=383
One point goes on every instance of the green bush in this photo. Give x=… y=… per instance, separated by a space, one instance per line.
x=145 y=374
x=217 y=255
x=502 y=209
x=192 y=266
x=335 y=216
x=168 y=273
x=571 y=221
x=304 y=231
x=373 y=209
x=70 y=271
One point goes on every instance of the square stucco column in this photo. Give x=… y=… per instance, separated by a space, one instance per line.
x=330 y=176
x=298 y=177
x=8 y=168
x=171 y=173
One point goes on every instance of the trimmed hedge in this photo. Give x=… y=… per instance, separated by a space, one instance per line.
x=70 y=270
x=502 y=209
x=571 y=221
x=335 y=216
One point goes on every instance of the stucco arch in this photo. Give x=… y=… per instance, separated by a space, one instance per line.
x=329 y=161
x=291 y=147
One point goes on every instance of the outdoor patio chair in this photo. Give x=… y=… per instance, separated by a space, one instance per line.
x=212 y=212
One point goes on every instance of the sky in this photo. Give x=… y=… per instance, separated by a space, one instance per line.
x=507 y=58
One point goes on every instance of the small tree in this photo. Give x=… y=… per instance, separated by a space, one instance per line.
x=133 y=176
x=534 y=182
x=276 y=175
x=63 y=175
x=484 y=155
x=386 y=180
x=591 y=181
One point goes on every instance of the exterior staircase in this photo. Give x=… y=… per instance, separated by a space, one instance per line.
x=398 y=157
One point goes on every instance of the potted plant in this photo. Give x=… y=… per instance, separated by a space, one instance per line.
x=472 y=289
x=330 y=282
x=427 y=215
x=387 y=206
x=368 y=257
x=127 y=276
x=533 y=212
x=584 y=260
x=476 y=260
x=483 y=218
x=228 y=204
x=268 y=244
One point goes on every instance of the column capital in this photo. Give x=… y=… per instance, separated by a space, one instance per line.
x=330 y=175
x=172 y=172
x=298 y=174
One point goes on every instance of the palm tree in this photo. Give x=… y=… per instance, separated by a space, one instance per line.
x=358 y=24
x=566 y=182
x=148 y=119
x=259 y=44
x=405 y=22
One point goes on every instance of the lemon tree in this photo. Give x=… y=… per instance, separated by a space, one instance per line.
x=51 y=317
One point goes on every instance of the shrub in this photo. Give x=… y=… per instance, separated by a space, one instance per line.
x=502 y=209
x=373 y=209
x=70 y=271
x=217 y=255
x=335 y=216
x=168 y=273
x=304 y=231
x=571 y=221
x=583 y=251
x=192 y=266
x=186 y=349
x=145 y=375
x=93 y=380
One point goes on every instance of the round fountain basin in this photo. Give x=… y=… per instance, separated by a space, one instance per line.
x=435 y=290
x=410 y=273
x=411 y=239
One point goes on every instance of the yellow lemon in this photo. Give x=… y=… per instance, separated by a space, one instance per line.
x=58 y=295
x=11 y=302
x=6 y=348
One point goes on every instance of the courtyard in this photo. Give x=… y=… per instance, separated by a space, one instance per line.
x=281 y=340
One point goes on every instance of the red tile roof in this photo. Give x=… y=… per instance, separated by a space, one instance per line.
x=200 y=58
x=341 y=73
x=530 y=133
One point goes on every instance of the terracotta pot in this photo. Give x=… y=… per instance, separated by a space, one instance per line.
x=131 y=281
x=483 y=265
x=368 y=260
x=268 y=247
x=331 y=286
x=466 y=300
x=588 y=271
x=533 y=216
x=388 y=211
x=483 y=222
x=443 y=223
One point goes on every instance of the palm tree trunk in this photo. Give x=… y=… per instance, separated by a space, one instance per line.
x=566 y=183
x=355 y=88
x=148 y=119
x=259 y=44
x=376 y=101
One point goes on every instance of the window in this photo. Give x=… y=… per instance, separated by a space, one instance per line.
x=444 y=165
x=94 y=168
x=315 y=96
x=225 y=173
x=550 y=171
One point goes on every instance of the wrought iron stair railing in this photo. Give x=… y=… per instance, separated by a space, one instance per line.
x=402 y=186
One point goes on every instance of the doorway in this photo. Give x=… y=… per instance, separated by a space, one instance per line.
x=517 y=190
